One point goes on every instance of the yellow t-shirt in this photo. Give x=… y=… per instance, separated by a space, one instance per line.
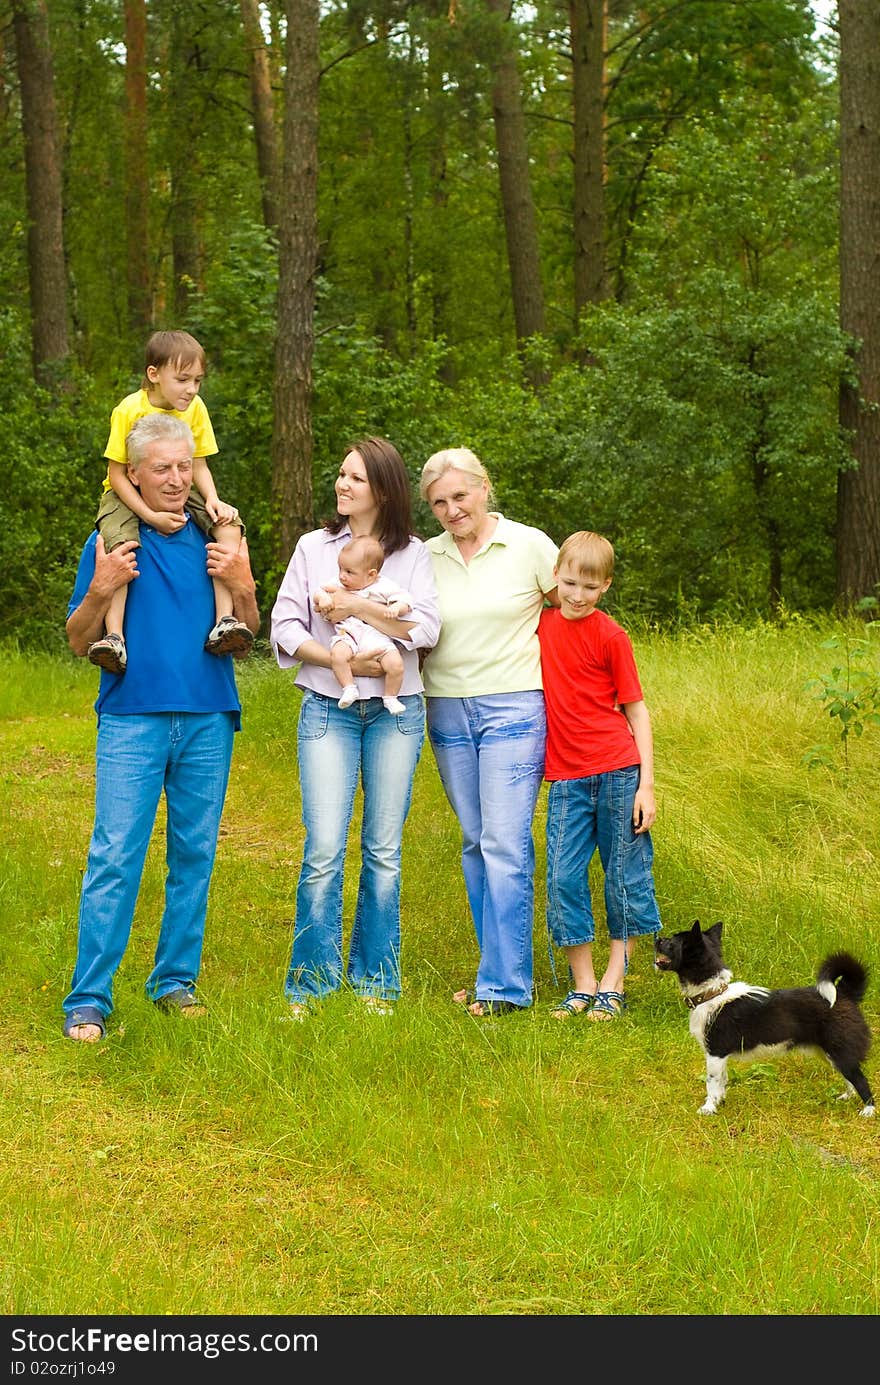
x=489 y=611
x=135 y=406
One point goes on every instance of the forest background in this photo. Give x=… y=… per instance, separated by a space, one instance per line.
x=627 y=252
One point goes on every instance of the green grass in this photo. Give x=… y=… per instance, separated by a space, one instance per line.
x=429 y=1163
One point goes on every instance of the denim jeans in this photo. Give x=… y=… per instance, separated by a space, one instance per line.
x=337 y=747
x=137 y=756
x=490 y=755
x=581 y=815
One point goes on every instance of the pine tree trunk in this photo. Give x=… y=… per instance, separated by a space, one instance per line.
x=292 y=442
x=858 y=490
x=263 y=111
x=137 y=187
x=520 y=221
x=45 y=241
x=588 y=19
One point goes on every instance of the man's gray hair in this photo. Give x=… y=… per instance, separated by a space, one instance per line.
x=153 y=428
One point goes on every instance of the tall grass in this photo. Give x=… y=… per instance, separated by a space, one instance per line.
x=429 y=1163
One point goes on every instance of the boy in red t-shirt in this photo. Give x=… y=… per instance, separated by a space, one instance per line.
x=600 y=764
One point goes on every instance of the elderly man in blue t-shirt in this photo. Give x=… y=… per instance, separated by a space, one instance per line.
x=166 y=723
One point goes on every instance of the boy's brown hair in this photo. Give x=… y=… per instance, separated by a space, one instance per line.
x=590 y=554
x=176 y=348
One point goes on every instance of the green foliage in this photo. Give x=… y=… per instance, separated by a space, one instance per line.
x=850 y=692
x=693 y=420
x=50 y=483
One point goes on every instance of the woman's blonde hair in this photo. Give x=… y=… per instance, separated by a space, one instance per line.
x=589 y=554
x=454 y=459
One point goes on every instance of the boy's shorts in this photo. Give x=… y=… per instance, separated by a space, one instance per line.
x=118 y=524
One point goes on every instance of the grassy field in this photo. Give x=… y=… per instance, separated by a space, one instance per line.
x=429 y=1163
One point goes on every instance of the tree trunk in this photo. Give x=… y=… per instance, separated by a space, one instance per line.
x=185 y=112
x=588 y=20
x=298 y=256
x=520 y=222
x=45 y=242
x=858 y=490
x=5 y=102
x=137 y=188
x=263 y=110
x=440 y=258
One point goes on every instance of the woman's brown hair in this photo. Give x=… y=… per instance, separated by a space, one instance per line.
x=389 y=482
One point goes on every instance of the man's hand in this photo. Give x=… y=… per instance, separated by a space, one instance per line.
x=113 y=570
x=166 y=523
x=232 y=567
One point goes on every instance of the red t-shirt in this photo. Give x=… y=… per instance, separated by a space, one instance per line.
x=589 y=672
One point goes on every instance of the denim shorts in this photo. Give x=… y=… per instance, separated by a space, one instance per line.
x=583 y=815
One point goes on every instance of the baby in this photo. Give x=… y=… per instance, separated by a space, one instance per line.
x=360 y=562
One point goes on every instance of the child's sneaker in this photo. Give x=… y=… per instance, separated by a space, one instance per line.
x=109 y=653
x=229 y=636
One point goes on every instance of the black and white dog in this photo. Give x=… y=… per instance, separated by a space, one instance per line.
x=730 y=1019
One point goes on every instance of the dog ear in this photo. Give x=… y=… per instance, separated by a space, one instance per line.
x=715 y=931
x=696 y=930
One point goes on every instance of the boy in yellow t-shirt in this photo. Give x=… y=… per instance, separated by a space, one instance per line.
x=174 y=368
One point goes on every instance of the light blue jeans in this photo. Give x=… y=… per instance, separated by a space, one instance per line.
x=336 y=749
x=490 y=755
x=186 y=754
x=581 y=815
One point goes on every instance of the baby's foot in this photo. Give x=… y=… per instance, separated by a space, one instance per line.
x=349 y=695
x=394 y=706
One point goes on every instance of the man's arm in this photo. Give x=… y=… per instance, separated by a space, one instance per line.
x=234 y=570
x=112 y=571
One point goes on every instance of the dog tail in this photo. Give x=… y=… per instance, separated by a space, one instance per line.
x=841 y=974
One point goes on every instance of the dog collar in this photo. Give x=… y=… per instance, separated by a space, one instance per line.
x=692 y=1001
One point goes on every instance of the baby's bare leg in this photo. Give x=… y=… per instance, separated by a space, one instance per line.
x=341 y=655
x=392 y=665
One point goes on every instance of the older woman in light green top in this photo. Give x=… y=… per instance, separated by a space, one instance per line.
x=486 y=711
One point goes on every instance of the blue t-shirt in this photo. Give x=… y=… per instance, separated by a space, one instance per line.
x=169 y=610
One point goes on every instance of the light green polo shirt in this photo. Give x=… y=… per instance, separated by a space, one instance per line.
x=489 y=610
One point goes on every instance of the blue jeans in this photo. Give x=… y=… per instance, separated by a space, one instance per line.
x=137 y=756
x=490 y=755
x=336 y=748
x=581 y=815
